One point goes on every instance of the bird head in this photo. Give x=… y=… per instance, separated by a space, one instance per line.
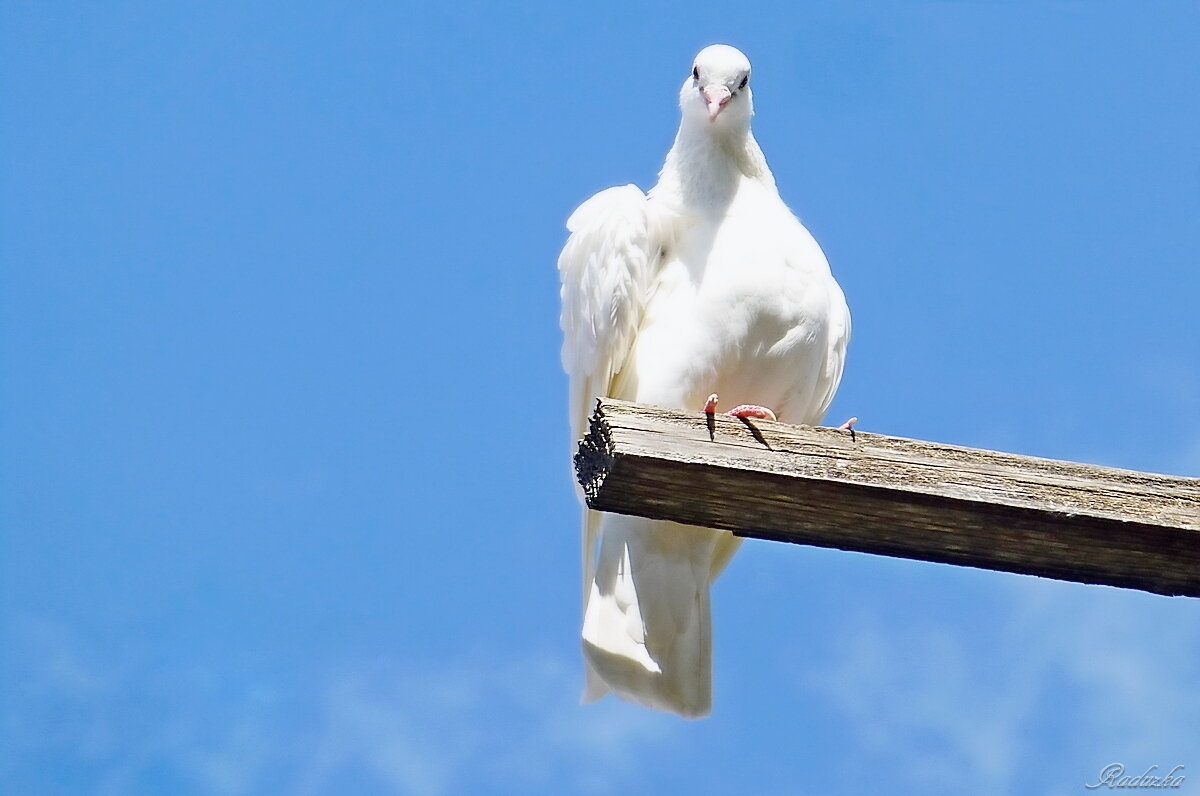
x=718 y=89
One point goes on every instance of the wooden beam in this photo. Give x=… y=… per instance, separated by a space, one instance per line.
x=897 y=497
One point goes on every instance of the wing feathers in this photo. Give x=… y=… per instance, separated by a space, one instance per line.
x=606 y=268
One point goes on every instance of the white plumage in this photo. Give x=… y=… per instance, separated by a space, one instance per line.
x=708 y=284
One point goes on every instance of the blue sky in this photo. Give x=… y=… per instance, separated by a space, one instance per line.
x=286 y=505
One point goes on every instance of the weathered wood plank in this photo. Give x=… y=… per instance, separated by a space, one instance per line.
x=894 y=496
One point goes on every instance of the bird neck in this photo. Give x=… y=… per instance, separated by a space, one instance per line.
x=705 y=166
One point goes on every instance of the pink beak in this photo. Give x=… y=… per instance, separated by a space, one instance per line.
x=715 y=97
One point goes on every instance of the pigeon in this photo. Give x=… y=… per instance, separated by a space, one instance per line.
x=706 y=286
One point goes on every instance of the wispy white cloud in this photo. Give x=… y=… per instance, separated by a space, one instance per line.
x=108 y=712
x=517 y=721
x=915 y=699
x=1134 y=659
x=949 y=711
x=405 y=727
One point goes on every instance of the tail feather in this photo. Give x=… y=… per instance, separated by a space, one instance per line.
x=647 y=631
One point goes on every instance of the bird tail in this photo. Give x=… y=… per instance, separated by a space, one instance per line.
x=593 y=686
x=647 y=629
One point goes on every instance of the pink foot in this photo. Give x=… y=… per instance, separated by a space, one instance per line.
x=743 y=410
x=752 y=410
x=849 y=426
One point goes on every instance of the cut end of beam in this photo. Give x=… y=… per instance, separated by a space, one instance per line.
x=594 y=458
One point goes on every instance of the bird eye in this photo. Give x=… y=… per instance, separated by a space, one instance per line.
x=745 y=80
x=695 y=73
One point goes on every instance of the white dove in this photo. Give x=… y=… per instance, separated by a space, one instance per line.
x=707 y=285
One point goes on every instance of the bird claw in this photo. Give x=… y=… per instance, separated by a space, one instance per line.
x=849 y=426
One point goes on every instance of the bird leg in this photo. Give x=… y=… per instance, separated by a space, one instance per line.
x=849 y=426
x=742 y=410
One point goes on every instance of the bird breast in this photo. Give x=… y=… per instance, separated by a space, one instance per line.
x=743 y=308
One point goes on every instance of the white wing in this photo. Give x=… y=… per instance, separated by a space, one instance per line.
x=839 y=338
x=607 y=270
